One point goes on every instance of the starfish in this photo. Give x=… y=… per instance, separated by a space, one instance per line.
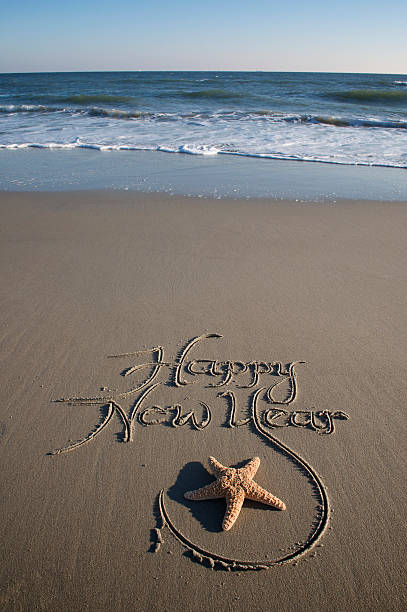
x=234 y=484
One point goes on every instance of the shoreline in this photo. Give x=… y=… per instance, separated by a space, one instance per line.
x=219 y=176
x=163 y=196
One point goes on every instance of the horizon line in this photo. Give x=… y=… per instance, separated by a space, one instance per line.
x=196 y=70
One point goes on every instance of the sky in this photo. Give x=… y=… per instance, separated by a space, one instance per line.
x=291 y=35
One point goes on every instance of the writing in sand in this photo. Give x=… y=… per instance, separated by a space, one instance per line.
x=271 y=388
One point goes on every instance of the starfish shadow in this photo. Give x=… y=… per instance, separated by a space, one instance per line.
x=209 y=513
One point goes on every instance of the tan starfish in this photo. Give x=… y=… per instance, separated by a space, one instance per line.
x=234 y=484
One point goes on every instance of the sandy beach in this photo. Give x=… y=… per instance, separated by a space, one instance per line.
x=142 y=334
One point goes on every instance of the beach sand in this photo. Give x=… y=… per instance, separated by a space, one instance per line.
x=89 y=275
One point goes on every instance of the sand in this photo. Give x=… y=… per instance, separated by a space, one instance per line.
x=269 y=329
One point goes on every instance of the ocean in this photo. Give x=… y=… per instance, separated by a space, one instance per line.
x=355 y=119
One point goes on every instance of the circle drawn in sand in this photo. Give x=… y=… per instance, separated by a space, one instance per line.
x=212 y=559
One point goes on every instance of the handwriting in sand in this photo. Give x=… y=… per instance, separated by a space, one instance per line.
x=271 y=387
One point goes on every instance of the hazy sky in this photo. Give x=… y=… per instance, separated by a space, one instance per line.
x=314 y=35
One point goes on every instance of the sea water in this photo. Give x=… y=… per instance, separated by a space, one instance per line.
x=341 y=119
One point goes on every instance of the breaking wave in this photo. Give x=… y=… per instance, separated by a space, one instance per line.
x=263 y=114
x=196 y=149
x=362 y=123
x=27 y=108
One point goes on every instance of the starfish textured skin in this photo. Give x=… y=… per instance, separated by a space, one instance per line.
x=235 y=484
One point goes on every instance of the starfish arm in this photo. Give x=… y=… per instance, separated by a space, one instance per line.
x=211 y=491
x=234 y=503
x=256 y=493
x=248 y=471
x=217 y=469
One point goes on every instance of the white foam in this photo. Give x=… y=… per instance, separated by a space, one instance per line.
x=268 y=134
x=191 y=149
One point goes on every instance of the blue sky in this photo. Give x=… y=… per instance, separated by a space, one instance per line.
x=348 y=36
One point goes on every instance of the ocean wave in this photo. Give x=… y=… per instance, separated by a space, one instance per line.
x=368 y=96
x=265 y=113
x=28 y=108
x=242 y=115
x=95 y=111
x=226 y=116
x=77 y=99
x=116 y=113
x=196 y=149
x=400 y=82
x=363 y=123
x=209 y=94
x=94 y=99
x=334 y=121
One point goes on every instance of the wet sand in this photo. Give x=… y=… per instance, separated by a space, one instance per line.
x=270 y=329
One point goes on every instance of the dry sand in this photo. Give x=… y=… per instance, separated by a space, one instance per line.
x=92 y=274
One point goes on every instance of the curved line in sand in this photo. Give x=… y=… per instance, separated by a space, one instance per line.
x=204 y=555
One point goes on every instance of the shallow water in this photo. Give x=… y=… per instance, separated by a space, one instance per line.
x=218 y=177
